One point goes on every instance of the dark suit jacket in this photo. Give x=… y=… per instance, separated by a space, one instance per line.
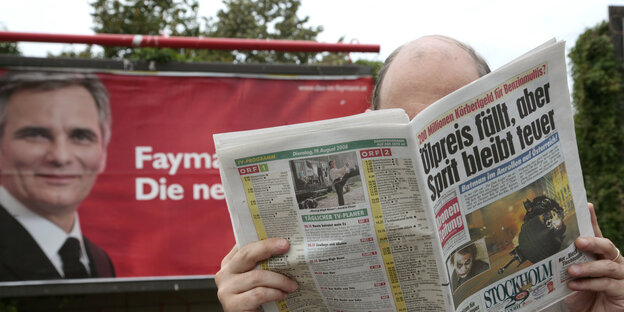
x=21 y=259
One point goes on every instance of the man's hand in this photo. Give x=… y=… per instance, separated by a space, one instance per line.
x=600 y=283
x=241 y=288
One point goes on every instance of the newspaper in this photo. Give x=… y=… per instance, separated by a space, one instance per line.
x=473 y=205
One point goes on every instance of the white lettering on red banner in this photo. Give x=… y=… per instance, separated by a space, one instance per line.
x=248 y=170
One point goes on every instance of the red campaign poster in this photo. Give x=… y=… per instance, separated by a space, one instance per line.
x=158 y=209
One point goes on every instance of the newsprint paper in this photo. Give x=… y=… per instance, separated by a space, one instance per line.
x=473 y=205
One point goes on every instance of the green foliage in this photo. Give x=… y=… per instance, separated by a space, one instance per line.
x=255 y=19
x=86 y=53
x=597 y=97
x=9 y=48
x=265 y=19
x=153 y=17
x=8 y=305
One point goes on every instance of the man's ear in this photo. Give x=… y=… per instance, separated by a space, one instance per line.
x=102 y=164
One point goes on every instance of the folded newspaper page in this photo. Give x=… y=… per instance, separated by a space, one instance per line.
x=474 y=205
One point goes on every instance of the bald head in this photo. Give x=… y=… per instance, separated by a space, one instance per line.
x=425 y=70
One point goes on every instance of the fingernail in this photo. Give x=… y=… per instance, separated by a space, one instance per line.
x=282 y=243
x=574 y=270
x=293 y=286
x=582 y=242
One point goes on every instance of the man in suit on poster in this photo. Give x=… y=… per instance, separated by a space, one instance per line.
x=54 y=129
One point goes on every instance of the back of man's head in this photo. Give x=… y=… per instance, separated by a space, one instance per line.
x=430 y=67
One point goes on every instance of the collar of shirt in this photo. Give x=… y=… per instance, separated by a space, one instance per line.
x=48 y=235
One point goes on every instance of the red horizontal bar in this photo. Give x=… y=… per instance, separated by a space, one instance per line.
x=189 y=42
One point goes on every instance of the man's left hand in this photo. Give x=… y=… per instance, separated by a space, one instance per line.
x=600 y=283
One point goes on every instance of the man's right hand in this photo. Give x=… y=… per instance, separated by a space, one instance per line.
x=241 y=288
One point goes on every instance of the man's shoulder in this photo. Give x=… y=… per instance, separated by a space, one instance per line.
x=101 y=264
x=4 y=214
x=21 y=258
x=10 y=229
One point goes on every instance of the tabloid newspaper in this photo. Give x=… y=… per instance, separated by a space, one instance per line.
x=473 y=205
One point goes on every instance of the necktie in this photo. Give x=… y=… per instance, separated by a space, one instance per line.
x=70 y=255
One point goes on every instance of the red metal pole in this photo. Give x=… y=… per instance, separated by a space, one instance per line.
x=189 y=42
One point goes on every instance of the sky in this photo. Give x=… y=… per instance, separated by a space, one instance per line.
x=499 y=30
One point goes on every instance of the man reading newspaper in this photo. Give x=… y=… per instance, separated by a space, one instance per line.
x=414 y=76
